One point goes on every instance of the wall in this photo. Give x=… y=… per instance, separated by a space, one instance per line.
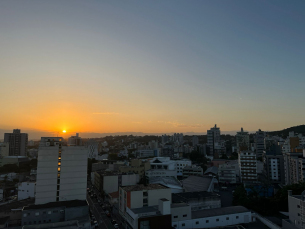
x=156 y=194
x=26 y=190
x=179 y=212
x=294 y=210
x=76 y=212
x=137 y=199
x=130 y=179
x=110 y=184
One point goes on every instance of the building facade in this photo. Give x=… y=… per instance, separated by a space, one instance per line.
x=18 y=142
x=242 y=141
x=213 y=137
x=248 y=166
x=259 y=142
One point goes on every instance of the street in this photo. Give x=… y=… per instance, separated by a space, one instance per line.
x=100 y=215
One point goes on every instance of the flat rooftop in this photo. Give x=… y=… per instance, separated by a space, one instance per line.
x=140 y=187
x=178 y=205
x=197 y=183
x=146 y=209
x=187 y=196
x=218 y=211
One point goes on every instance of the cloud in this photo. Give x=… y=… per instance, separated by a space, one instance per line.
x=181 y=125
x=106 y=113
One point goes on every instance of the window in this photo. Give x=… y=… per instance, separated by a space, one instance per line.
x=175 y=216
x=207 y=221
x=237 y=217
x=24 y=215
x=49 y=212
x=184 y=215
x=183 y=224
x=197 y=222
x=227 y=218
x=55 y=211
x=36 y=213
x=217 y=220
x=175 y=225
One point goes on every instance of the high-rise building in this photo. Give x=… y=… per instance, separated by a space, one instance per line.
x=213 y=138
x=259 y=142
x=242 y=140
x=61 y=171
x=75 y=140
x=248 y=166
x=195 y=140
x=18 y=142
x=294 y=165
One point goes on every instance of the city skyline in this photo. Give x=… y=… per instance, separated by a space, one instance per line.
x=152 y=67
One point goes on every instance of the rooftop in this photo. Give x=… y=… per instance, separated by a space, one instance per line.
x=178 y=205
x=218 y=211
x=196 y=183
x=16 y=205
x=67 y=204
x=145 y=209
x=140 y=187
x=212 y=169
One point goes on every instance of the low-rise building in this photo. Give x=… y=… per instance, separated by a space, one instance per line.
x=198 y=200
x=162 y=167
x=228 y=173
x=26 y=190
x=211 y=171
x=137 y=166
x=180 y=164
x=192 y=171
x=109 y=181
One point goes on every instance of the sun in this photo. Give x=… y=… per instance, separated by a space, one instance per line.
x=64 y=131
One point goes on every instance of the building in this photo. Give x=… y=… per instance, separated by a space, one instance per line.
x=165 y=139
x=180 y=164
x=209 y=218
x=110 y=181
x=4 y=149
x=259 y=140
x=228 y=173
x=293 y=166
x=145 y=205
x=192 y=170
x=170 y=182
x=18 y=142
x=26 y=190
x=144 y=153
x=296 y=209
x=137 y=166
x=75 y=140
x=248 y=166
x=57 y=215
x=195 y=140
x=242 y=141
x=61 y=171
x=274 y=165
x=162 y=167
x=198 y=200
x=213 y=137
x=211 y=171
x=92 y=146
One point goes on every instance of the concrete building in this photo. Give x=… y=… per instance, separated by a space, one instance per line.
x=195 y=140
x=248 y=166
x=198 y=200
x=13 y=160
x=228 y=173
x=162 y=166
x=209 y=218
x=139 y=204
x=144 y=153
x=75 y=140
x=274 y=165
x=26 y=190
x=61 y=171
x=4 y=149
x=56 y=214
x=109 y=181
x=180 y=164
x=213 y=137
x=259 y=143
x=165 y=139
x=18 y=142
x=193 y=170
x=242 y=140
x=211 y=171
x=137 y=166
x=92 y=146
x=294 y=166
x=296 y=209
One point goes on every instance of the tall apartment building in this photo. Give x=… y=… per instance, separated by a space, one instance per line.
x=248 y=166
x=18 y=142
x=274 y=165
x=242 y=140
x=294 y=166
x=259 y=142
x=228 y=173
x=213 y=137
x=61 y=171
x=195 y=140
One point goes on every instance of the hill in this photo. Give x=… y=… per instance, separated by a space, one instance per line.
x=284 y=133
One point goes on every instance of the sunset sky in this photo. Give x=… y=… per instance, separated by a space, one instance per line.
x=152 y=66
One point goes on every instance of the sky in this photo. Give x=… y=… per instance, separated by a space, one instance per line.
x=151 y=66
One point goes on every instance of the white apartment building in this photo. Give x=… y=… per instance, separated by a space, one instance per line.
x=26 y=190
x=180 y=164
x=248 y=166
x=162 y=167
x=61 y=171
x=75 y=140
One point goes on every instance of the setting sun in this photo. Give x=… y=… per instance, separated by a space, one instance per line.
x=64 y=131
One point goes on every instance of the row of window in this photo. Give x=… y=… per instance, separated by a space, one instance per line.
x=39 y=222
x=207 y=221
x=43 y=213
